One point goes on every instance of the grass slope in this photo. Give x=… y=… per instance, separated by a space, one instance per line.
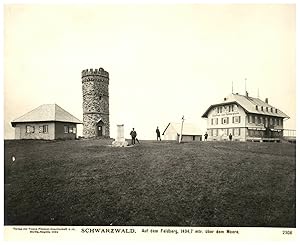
x=86 y=182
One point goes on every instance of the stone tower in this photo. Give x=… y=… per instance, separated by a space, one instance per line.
x=95 y=103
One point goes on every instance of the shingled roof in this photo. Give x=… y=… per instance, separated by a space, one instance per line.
x=250 y=105
x=188 y=128
x=47 y=112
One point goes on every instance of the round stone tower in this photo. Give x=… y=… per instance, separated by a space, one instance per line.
x=95 y=103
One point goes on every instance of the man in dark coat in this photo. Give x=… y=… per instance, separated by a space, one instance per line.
x=158 y=134
x=230 y=137
x=133 y=136
x=205 y=136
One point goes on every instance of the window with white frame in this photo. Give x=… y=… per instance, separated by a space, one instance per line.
x=30 y=129
x=215 y=132
x=66 y=129
x=236 y=119
x=225 y=120
x=236 y=131
x=214 y=121
x=45 y=129
x=266 y=121
x=225 y=131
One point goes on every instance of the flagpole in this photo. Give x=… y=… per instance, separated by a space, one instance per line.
x=181 y=129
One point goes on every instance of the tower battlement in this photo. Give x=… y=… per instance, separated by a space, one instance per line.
x=94 y=72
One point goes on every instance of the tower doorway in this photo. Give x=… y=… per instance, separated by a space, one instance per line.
x=100 y=128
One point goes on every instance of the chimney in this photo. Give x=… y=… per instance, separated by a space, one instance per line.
x=247 y=94
x=267 y=100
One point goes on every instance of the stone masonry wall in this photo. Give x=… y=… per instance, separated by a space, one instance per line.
x=95 y=94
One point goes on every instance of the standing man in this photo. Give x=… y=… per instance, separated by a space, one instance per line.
x=158 y=134
x=133 y=136
x=205 y=136
x=230 y=137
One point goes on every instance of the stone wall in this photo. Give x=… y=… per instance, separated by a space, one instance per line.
x=95 y=93
x=90 y=124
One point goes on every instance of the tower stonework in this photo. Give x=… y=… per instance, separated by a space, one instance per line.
x=95 y=94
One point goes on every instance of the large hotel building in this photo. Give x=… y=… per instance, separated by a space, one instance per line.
x=245 y=118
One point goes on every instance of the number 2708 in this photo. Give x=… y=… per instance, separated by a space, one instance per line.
x=287 y=232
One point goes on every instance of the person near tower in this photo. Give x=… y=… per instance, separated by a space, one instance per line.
x=133 y=136
x=158 y=134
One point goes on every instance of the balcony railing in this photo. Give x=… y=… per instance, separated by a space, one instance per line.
x=289 y=133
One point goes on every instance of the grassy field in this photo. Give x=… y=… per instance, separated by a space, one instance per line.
x=86 y=182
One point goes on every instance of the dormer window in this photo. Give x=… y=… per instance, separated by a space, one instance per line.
x=267 y=109
x=276 y=110
x=256 y=107
x=262 y=108
x=271 y=109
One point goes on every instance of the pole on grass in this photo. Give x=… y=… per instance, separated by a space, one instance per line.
x=181 y=129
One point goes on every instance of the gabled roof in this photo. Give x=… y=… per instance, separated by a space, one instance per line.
x=188 y=128
x=47 y=112
x=250 y=105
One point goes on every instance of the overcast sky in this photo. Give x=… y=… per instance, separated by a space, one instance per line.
x=164 y=61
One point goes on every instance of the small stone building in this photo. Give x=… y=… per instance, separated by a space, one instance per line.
x=190 y=132
x=48 y=121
